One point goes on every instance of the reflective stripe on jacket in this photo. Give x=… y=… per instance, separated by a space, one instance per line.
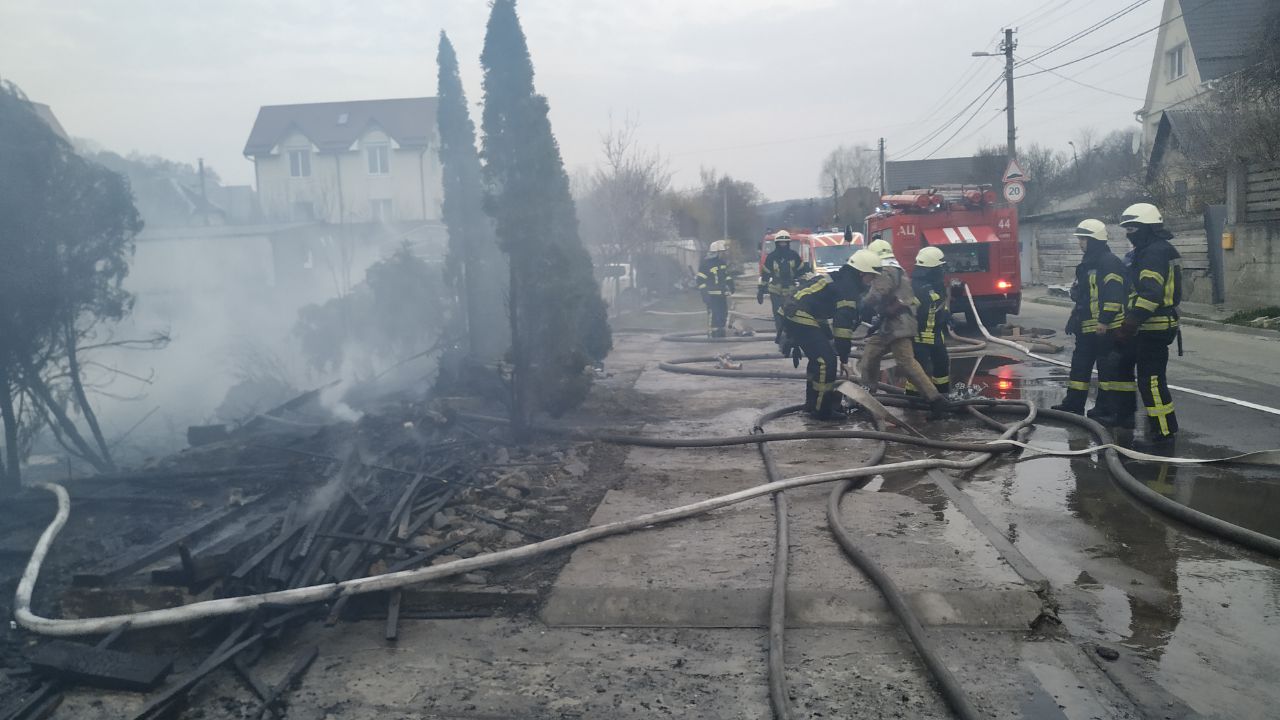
x=1156 y=275
x=713 y=277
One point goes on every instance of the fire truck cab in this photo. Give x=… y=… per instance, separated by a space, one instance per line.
x=978 y=236
x=824 y=250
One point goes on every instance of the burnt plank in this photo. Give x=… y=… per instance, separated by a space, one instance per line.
x=162 y=704
x=99 y=667
x=286 y=534
x=392 y=632
x=141 y=557
x=290 y=679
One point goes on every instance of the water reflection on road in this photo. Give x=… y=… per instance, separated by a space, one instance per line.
x=1202 y=612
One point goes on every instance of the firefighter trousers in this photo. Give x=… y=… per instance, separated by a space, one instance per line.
x=718 y=313
x=1114 y=395
x=820 y=397
x=1144 y=361
x=776 y=300
x=936 y=363
x=879 y=345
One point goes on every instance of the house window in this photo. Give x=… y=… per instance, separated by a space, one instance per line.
x=378 y=160
x=380 y=210
x=300 y=163
x=1173 y=60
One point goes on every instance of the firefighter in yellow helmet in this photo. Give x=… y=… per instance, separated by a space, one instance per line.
x=933 y=317
x=893 y=302
x=782 y=270
x=821 y=298
x=1100 y=292
x=716 y=284
x=1150 y=324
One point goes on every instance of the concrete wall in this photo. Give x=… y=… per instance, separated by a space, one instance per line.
x=1058 y=253
x=413 y=185
x=1253 y=267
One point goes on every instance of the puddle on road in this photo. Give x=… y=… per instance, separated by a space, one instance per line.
x=1203 y=612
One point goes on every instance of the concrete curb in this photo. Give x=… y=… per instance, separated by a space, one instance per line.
x=1187 y=319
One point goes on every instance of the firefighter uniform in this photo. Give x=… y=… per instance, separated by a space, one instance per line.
x=932 y=316
x=892 y=298
x=821 y=298
x=716 y=285
x=783 y=268
x=1151 y=319
x=1100 y=292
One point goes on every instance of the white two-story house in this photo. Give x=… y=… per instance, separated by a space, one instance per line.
x=362 y=161
x=1199 y=43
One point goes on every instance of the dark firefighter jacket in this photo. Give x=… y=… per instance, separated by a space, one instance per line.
x=714 y=278
x=932 y=315
x=1156 y=275
x=1100 y=291
x=832 y=297
x=892 y=298
x=782 y=269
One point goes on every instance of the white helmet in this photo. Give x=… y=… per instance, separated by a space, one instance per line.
x=782 y=236
x=1141 y=214
x=865 y=260
x=930 y=257
x=1092 y=229
x=719 y=246
x=881 y=248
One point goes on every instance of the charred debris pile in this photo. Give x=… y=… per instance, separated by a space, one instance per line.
x=263 y=511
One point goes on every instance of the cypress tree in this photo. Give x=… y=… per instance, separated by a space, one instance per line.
x=474 y=264
x=558 y=319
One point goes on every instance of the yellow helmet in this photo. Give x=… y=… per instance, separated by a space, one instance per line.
x=782 y=236
x=881 y=248
x=719 y=246
x=1092 y=229
x=1141 y=214
x=865 y=260
x=930 y=257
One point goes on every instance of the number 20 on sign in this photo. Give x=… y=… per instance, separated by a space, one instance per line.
x=1014 y=191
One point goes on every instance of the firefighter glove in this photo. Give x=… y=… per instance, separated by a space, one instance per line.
x=760 y=295
x=796 y=354
x=842 y=350
x=1125 y=331
x=1073 y=325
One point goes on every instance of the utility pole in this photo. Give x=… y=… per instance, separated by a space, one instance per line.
x=204 y=194
x=882 y=190
x=724 y=196
x=835 y=201
x=1007 y=46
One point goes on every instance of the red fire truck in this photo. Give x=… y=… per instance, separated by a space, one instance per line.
x=977 y=234
x=825 y=250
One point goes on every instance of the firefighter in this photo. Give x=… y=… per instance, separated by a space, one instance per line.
x=1100 y=292
x=932 y=318
x=893 y=303
x=1150 y=324
x=782 y=270
x=821 y=298
x=716 y=285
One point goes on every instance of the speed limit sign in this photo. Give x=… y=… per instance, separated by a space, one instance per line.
x=1014 y=191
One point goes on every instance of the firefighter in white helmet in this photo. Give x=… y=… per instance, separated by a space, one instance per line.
x=820 y=299
x=1100 y=292
x=716 y=284
x=933 y=318
x=1150 y=324
x=781 y=272
x=893 y=303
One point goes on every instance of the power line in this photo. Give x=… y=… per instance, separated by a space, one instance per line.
x=995 y=84
x=1082 y=84
x=1116 y=45
x=1088 y=31
x=975 y=114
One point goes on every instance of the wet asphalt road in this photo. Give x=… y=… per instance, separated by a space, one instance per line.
x=1203 y=614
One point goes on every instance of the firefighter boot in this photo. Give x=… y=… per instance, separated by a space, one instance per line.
x=1074 y=402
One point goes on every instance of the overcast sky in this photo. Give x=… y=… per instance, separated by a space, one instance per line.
x=760 y=89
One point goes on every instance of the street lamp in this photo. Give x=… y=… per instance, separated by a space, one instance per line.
x=1075 y=160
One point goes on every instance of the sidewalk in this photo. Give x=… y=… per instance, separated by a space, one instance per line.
x=1197 y=314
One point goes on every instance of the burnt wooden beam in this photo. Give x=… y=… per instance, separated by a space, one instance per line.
x=164 y=703
x=290 y=679
x=110 y=669
x=392 y=630
x=46 y=698
x=139 y=558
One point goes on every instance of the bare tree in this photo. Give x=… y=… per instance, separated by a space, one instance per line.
x=856 y=166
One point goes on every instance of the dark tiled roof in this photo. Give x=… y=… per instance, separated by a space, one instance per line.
x=908 y=174
x=1222 y=33
x=410 y=121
